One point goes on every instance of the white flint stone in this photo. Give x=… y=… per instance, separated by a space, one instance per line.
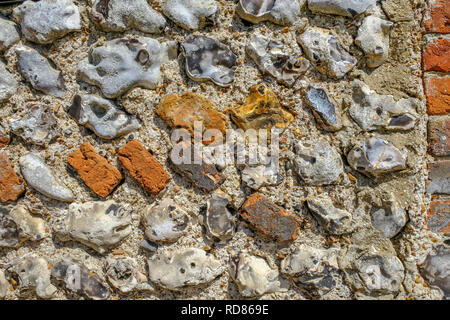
x=99 y=225
x=123 y=64
x=47 y=20
x=389 y=218
x=219 y=222
x=8 y=85
x=119 y=16
x=346 y=8
x=435 y=269
x=9 y=232
x=102 y=116
x=284 y=12
x=4 y=285
x=254 y=277
x=38 y=71
x=183 y=267
x=333 y=219
x=373 y=111
x=8 y=34
x=121 y=273
x=41 y=178
x=373 y=39
x=317 y=162
x=30 y=227
x=326 y=52
x=191 y=14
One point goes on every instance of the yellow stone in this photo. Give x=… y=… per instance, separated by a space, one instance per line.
x=262 y=110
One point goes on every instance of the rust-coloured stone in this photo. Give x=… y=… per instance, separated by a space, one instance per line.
x=10 y=186
x=182 y=111
x=270 y=219
x=437 y=91
x=439 y=136
x=4 y=138
x=205 y=176
x=101 y=177
x=436 y=56
x=143 y=167
x=439 y=20
x=262 y=110
x=439 y=217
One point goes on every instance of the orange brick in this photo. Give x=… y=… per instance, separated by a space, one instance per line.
x=101 y=177
x=4 y=138
x=437 y=91
x=270 y=219
x=10 y=186
x=143 y=167
x=439 y=17
x=439 y=217
x=436 y=56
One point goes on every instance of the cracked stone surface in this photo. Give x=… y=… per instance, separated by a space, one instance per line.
x=8 y=34
x=284 y=12
x=191 y=14
x=8 y=85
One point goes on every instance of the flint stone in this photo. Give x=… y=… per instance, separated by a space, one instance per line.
x=30 y=227
x=123 y=64
x=325 y=111
x=219 y=222
x=9 y=232
x=334 y=220
x=183 y=267
x=165 y=222
x=38 y=71
x=41 y=178
x=47 y=20
x=209 y=59
x=271 y=59
x=98 y=225
x=78 y=279
x=326 y=53
x=8 y=85
x=256 y=177
x=102 y=116
x=375 y=156
x=148 y=246
x=346 y=8
x=317 y=162
x=439 y=176
x=373 y=111
x=436 y=269
x=4 y=285
x=254 y=277
x=8 y=34
x=37 y=127
x=284 y=12
x=122 y=273
x=4 y=137
x=389 y=219
x=120 y=16
x=191 y=14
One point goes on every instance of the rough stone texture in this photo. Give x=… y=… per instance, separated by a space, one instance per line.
x=325 y=111
x=219 y=222
x=347 y=8
x=439 y=177
x=284 y=12
x=4 y=285
x=119 y=16
x=8 y=85
x=47 y=20
x=191 y=14
x=38 y=71
x=436 y=56
x=122 y=64
x=438 y=17
x=438 y=95
x=435 y=269
x=389 y=218
x=270 y=219
x=439 y=216
x=30 y=227
x=143 y=167
x=8 y=34
x=102 y=116
x=9 y=232
x=439 y=136
x=101 y=177
x=4 y=137
x=333 y=219
x=10 y=186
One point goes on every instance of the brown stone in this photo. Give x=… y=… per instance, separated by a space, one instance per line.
x=439 y=17
x=182 y=111
x=4 y=138
x=436 y=56
x=439 y=177
x=270 y=219
x=262 y=110
x=204 y=175
x=101 y=177
x=10 y=186
x=143 y=167
x=437 y=91
x=439 y=136
x=439 y=217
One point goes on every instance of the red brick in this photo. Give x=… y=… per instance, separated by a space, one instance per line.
x=439 y=217
x=436 y=56
x=143 y=167
x=270 y=219
x=439 y=17
x=10 y=186
x=437 y=92
x=439 y=136
x=96 y=172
